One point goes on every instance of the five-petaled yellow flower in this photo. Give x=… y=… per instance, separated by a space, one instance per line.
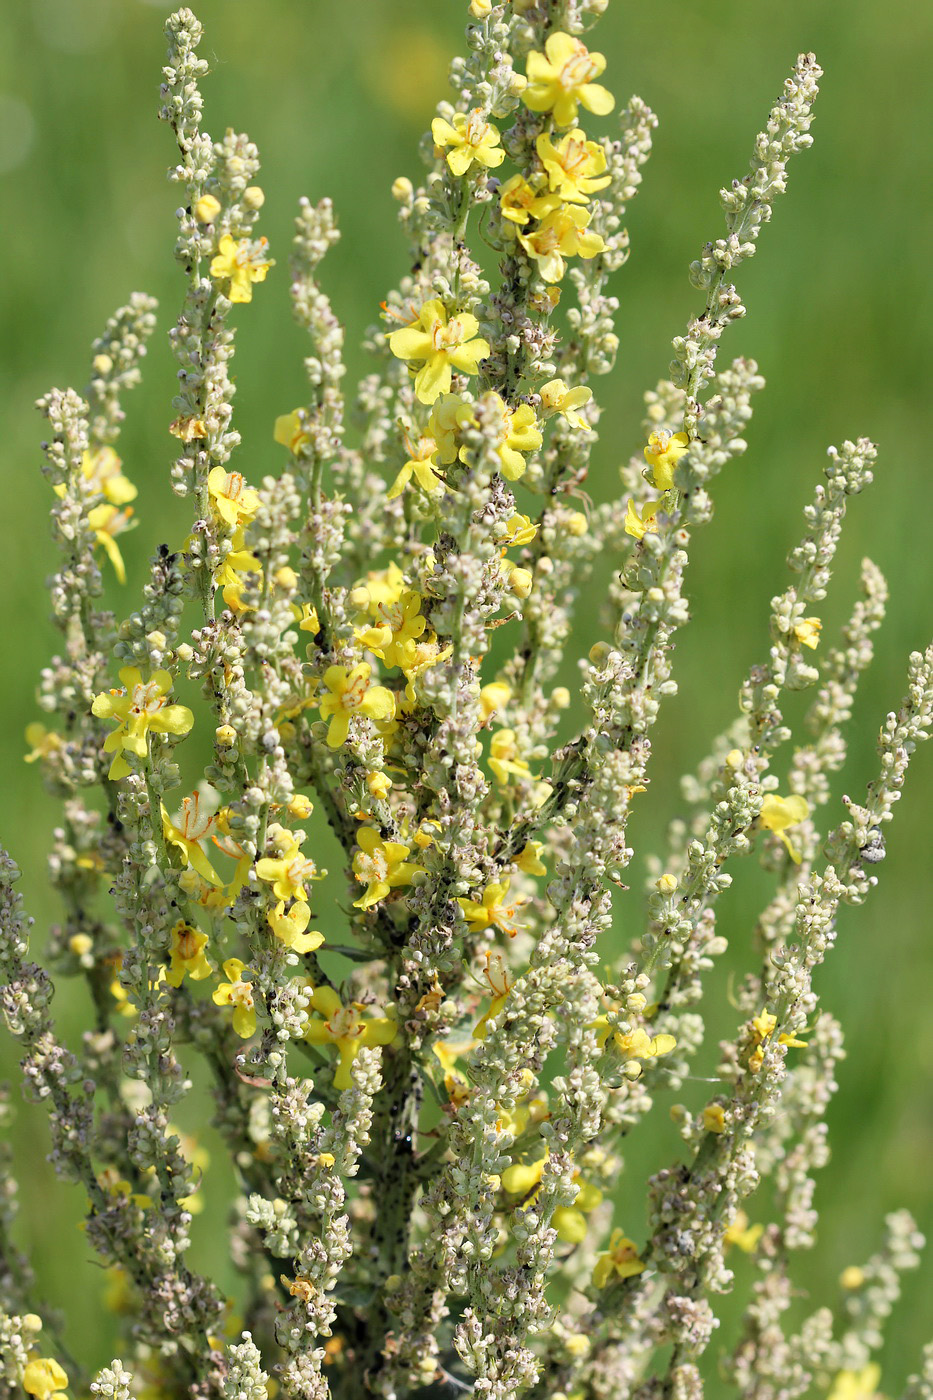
x=621 y=1260
x=380 y=865
x=562 y=234
x=138 y=707
x=779 y=813
x=241 y=261
x=441 y=345
x=234 y=501
x=187 y=833
x=524 y=1179
x=347 y=1028
x=491 y=911
x=516 y=433
x=742 y=1234
x=519 y=201
x=636 y=1044
x=42 y=741
x=239 y=994
x=187 y=955
x=574 y=165
x=662 y=454
x=395 y=627
x=557 y=398
x=856 y=1385
x=45 y=1379
x=762 y=1028
x=352 y=693
x=420 y=463
x=638 y=524
x=807 y=631
x=503 y=758
x=470 y=138
x=288 y=875
x=562 y=77
x=290 y=430
x=500 y=984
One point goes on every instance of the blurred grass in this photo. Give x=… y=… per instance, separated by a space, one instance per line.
x=839 y=305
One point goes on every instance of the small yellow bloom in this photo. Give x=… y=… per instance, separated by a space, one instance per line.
x=242 y=262
x=561 y=234
x=455 y=1082
x=856 y=1385
x=289 y=874
x=289 y=926
x=851 y=1278
x=524 y=1179
x=43 y=742
x=239 y=994
x=741 y=1234
x=440 y=346
x=347 y=1029
x=529 y=860
x=234 y=501
x=140 y=706
x=290 y=431
x=108 y=522
x=380 y=865
x=621 y=1260
x=516 y=579
x=779 y=813
x=420 y=463
x=450 y=414
x=493 y=698
x=500 y=984
x=396 y=625
x=187 y=955
x=762 y=1028
x=470 y=138
x=714 y=1118
x=663 y=452
x=206 y=209
x=350 y=693
x=186 y=833
x=636 y=1044
x=44 y=1378
x=807 y=631
x=516 y=432
x=574 y=165
x=80 y=944
x=503 y=758
x=557 y=398
x=638 y=525
x=519 y=201
x=562 y=77
x=491 y=911
x=379 y=785
x=520 y=531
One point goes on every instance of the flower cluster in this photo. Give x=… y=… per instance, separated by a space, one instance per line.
x=426 y=1067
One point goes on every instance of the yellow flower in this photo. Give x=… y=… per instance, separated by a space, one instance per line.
x=206 y=209
x=662 y=454
x=289 y=874
x=470 y=138
x=574 y=165
x=493 y=698
x=107 y=522
x=289 y=926
x=441 y=346
x=807 y=631
x=381 y=586
x=524 y=1179
x=455 y=1082
x=44 y=1378
x=242 y=262
x=421 y=461
x=762 y=1028
x=636 y=1044
x=560 y=235
x=351 y=693
x=138 y=707
x=188 y=429
x=852 y=1277
x=638 y=525
x=520 y=531
x=291 y=432
x=714 y=1118
x=620 y=1261
x=345 y=1027
x=187 y=955
x=856 y=1385
x=239 y=994
x=519 y=201
x=516 y=432
x=557 y=398
x=562 y=77
x=103 y=471
x=186 y=834
x=450 y=413
x=491 y=911
x=529 y=860
x=779 y=813
x=500 y=983
x=396 y=625
x=503 y=758
x=228 y=577
x=43 y=741
x=380 y=865
x=234 y=501
x=379 y=785
x=741 y=1234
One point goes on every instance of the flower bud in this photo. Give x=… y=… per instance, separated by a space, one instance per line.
x=206 y=209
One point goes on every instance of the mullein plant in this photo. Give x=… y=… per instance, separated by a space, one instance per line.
x=425 y=1101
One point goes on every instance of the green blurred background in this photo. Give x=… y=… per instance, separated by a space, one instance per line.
x=337 y=96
